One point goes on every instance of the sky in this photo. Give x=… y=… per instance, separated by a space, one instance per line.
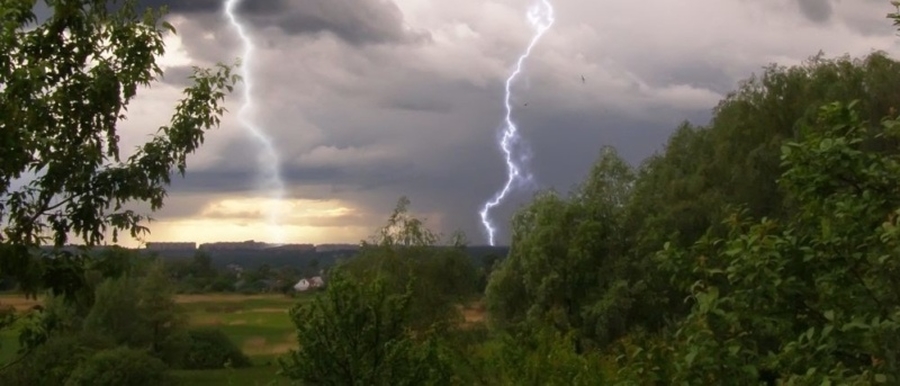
x=370 y=100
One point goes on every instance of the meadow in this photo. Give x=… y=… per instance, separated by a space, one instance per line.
x=258 y=324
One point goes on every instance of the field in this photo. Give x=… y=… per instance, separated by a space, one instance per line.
x=259 y=324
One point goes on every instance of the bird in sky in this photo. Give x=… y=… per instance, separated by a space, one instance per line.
x=582 y=79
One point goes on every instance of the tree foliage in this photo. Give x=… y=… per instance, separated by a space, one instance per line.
x=358 y=333
x=405 y=253
x=65 y=84
x=121 y=366
x=52 y=363
x=210 y=348
x=811 y=299
x=140 y=313
x=563 y=253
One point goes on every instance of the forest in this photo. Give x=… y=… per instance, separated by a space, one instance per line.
x=762 y=248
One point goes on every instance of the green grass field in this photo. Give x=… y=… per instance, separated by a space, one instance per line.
x=258 y=324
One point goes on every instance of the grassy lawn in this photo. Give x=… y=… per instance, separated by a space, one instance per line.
x=259 y=324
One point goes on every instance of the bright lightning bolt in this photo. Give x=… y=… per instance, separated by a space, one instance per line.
x=268 y=161
x=540 y=17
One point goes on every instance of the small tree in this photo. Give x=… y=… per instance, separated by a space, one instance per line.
x=210 y=348
x=358 y=334
x=406 y=253
x=140 y=313
x=120 y=366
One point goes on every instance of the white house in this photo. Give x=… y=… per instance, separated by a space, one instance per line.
x=306 y=284
x=301 y=285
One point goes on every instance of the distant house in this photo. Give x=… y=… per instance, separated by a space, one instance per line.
x=307 y=284
x=301 y=285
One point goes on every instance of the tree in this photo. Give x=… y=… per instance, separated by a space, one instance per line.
x=358 y=333
x=813 y=299
x=140 y=313
x=201 y=265
x=406 y=253
x=121 y=366
x=210 y=348
x=562 y=266
x=65 y=84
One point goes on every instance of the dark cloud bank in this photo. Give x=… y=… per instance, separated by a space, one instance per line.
x=357 y=22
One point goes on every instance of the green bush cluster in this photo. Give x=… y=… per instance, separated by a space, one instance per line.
x=210 y=348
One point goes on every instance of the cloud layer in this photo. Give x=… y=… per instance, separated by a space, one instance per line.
x=369 y=100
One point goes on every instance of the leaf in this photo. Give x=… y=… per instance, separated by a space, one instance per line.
x=689 y=358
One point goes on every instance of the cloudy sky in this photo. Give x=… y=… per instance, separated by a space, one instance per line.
x=368 y=100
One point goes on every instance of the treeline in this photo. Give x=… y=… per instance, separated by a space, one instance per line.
x=251 y=272
x=208 y=272
x=762 y=248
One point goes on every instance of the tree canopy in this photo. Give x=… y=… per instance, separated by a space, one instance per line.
x=65 y=85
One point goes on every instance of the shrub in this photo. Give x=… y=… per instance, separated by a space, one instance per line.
x=120 y=366
x=51 y=363
x=358 y=333
x=210 y=348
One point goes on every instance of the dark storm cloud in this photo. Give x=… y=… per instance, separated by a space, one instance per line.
x=818 y=11
x=564 y=148
x=242 y=178
x=365 y=124
x=357 y=22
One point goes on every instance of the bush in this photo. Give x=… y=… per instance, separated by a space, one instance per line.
x=358 y=333
x=53 y=362
x=121 y=366
x=210 y=348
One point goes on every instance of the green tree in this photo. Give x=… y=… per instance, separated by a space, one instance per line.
x=406 y=253
x=358 y=333
x=65 y=84
x=686 y=191
x=210 y=348
x=120 y=366
x=140 y=313
x=563 y=263
x=52 y=363
x=813 y=299
x=201 y=265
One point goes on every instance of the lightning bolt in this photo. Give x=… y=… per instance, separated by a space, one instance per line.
x=540 y=16
x=268 y=160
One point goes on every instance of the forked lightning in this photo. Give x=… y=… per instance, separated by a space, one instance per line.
x=540 y=16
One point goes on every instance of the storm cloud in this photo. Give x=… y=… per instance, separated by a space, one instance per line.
x=357 y=22
x=818 y=11
x=368 y=100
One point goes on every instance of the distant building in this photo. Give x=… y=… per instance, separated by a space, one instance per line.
x=336 y=247
x=233 y=246
x=296 y=247
x=308 y=284
x=171 y=246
